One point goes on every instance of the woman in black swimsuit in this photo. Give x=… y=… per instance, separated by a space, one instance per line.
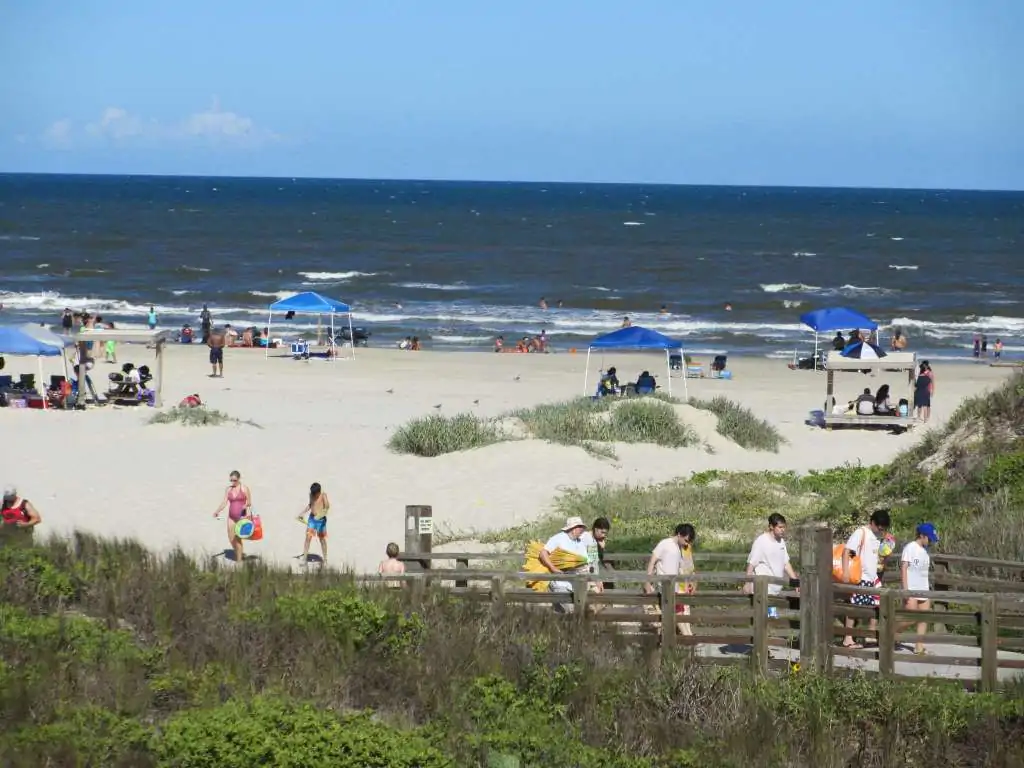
x=924 y=385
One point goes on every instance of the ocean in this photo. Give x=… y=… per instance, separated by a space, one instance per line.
x=458 y=263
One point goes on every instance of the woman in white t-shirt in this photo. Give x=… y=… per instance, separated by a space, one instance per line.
x=915 y=563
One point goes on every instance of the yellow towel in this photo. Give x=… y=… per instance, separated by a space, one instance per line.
x=566 y=561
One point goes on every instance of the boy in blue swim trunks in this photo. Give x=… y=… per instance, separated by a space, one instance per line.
x=315 y=517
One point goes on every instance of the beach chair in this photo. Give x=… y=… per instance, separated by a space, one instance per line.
x=6 y=383
x=26 y=383
x=300 y=350
x=675 y=362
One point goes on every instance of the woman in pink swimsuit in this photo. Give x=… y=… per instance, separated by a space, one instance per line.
x=238 y=500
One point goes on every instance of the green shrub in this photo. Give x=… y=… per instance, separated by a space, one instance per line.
x=740 y=425
x=277 y=732
x=650 y=421
x=350 y=620
x=28 y=576
x=436 y=435
x=198 y=417
x=87 y=736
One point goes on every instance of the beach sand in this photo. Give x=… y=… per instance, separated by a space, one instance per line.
x=107 y=471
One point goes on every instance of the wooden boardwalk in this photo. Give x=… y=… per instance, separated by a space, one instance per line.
x=977 y=622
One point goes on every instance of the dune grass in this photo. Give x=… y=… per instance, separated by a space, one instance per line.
x=727 y=509
x=741 y=425
x=586 y=423
x=435 y=435
x=198 y=417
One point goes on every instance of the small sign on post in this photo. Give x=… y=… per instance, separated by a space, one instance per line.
x=419 y=532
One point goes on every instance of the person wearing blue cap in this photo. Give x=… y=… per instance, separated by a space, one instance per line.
x=915 y=563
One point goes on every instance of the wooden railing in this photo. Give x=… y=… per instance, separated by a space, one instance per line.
x=977 y=609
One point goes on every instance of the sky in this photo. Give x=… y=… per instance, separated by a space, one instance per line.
x=915 y=93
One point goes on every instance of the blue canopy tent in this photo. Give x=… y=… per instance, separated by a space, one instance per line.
x=33 y=341
x=636 y=338
x=835 y=319
x=311 y=303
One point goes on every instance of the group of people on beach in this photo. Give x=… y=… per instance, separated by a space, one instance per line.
x=238 y=503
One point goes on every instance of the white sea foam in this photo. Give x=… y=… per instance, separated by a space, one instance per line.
x=632 y=223
x=187 y=268
x=788 y=288
x=987 y=324
x=896 y=239
x=434 y=286
x=273 y=294
x=804 y=253
x=182 y=293
x=454 y=339
x=44 y=265
x=19 y=238
x=790 y=304
x=902 y=266
x=335 y=276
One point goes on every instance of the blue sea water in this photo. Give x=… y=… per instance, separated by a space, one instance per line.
x=457 y=263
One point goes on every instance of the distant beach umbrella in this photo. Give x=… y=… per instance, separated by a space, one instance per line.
x=863 y=350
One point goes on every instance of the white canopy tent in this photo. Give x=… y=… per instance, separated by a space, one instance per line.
x=311 y=303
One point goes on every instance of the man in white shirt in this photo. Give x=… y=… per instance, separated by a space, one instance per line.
x=915 y=563
x=568 y=540
x=863 y=545
x=770 y=557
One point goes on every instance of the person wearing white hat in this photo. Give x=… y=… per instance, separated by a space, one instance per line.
x=568 y=540
x=19 y=517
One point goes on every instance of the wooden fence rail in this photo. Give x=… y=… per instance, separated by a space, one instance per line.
x=977 y=609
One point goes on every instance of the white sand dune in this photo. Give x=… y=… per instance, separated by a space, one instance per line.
x=109 y=472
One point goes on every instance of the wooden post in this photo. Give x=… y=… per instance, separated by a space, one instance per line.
x=497 y=595
x=579 y=596
x=158 y=399
x=829 y=389
x=815 y=597
x=419 y=589
x=887 y=634
x=940 y=586
x=668 y=613
x=419 y=532
x=461 y=564
x=759 y=653
x=989 y=644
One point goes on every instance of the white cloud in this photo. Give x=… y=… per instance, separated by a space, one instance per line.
x=117 y=125
x=59 y=133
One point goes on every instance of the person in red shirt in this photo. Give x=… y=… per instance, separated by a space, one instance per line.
x=19 y=517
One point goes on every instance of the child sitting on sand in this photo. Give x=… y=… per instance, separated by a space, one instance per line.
x=392 y=566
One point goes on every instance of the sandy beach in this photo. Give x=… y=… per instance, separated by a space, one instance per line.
x=109 y=472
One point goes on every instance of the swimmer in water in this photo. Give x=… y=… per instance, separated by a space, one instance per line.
x=663 y=310
x=543 y=303
x=728 y=307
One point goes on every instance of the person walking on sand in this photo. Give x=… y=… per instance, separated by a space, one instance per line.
x=924 y=388
x=392 y=566
x=19 y=518
x=151 y=319
x=915 y=563
x=314 y=515
x=238 y=500
x=216 y=341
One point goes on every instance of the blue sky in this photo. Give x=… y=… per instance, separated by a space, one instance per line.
x=918 y=93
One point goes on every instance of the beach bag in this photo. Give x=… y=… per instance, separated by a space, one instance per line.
x=257 y=528
x=837 y=562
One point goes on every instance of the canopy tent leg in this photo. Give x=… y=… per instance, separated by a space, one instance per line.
x=331 y=345
x=352 y=335
x=39 y=359
x=158 y=400
x=829 y=388
x=266 y=350
x=586 y=373
x=668 y=372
